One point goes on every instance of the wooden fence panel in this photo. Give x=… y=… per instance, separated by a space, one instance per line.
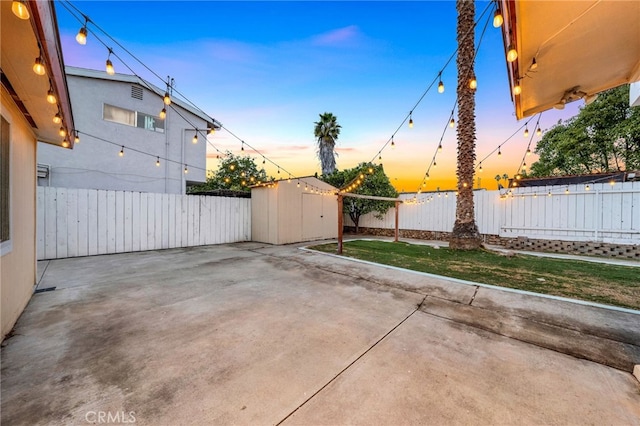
x=81 y=222
x=603 y=212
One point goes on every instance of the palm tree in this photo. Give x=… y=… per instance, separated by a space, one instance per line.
x=465 y=235
x=498 y=178
x=327 y=131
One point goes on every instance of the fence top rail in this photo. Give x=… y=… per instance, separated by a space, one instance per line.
x=369 y=197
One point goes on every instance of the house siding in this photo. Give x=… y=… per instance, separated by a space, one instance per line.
x=18 y=262
x=95 y=164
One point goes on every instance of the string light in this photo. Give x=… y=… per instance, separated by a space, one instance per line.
x=20 y=9
x=524 y=166
x=38 y=66
x=109 y=65
x=526 y=132
x=51 y=97
x=440 y=83
x=497 y=19
x=587 y=188
x=473 y=83
x=499 y=152
x=242 y=146
x=163 y=113
x=517 y=89
x=65 y=143
x=393 y=144
x=410 y=120
x=62 y=132
x=166 y=99
x=195 y=137
x=76 y=139
x=512 y=54
x=121 y=153
x=158 y=162
x=452 y=123
x=480 y=167
x=81 y=37
x=440 y=148
x=538 y=132
x=528 y=152
x=57 y=119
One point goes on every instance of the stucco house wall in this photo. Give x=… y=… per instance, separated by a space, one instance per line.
x=95 y=164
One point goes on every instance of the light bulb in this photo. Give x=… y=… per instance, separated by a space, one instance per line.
x=62 y=132
x=497 y=19
x=166 y=99
x=517 y=89
x=538 y=132
x=158 y=162
x=480 y=168
x=81 y=37
x=473 y=83
x=393 y=144
x=587 y=188
x=440 y=148
x=534 y=65
x=186 y=170
x=57 y=118
x=109 y=67
x=434 y=164
x=65 y=143
x=76 y=138
x=410 y=122
x=440 y=87
x=38 y=66
x=528 y=152
x=452 y=123
x=121 y=153
x=51 y=97
x=524 y=166
x=526 y=132
x=499 y=152
x=512 y=54
x=20 y=9
x=195 y=138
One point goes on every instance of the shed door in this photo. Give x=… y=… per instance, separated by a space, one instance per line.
x=312 y=217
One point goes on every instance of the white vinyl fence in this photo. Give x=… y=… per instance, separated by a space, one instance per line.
x=84 y=222
x=602 y=213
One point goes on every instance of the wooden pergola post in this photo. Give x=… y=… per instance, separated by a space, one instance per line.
x=397 y=232
x=340 y=224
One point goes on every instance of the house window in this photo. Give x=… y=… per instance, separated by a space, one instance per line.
x=4 y=182
x=119 y=115
x=150 y=122
x=132 y=118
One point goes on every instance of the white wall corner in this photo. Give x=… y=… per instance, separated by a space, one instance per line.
x=634 y=94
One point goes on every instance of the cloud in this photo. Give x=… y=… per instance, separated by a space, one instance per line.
x=341 y=37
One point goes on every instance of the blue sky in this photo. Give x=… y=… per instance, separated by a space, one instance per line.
x=267 y=69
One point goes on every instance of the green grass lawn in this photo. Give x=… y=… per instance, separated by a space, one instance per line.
x=596 y=282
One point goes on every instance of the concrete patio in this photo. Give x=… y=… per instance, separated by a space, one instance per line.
x=250 y=333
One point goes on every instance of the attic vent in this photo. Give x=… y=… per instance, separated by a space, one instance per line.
x=136 y=92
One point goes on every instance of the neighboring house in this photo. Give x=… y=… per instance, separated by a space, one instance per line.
x=112 y=111
x=30 y=100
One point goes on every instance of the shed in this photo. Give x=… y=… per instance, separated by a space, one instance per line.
x=292 y=211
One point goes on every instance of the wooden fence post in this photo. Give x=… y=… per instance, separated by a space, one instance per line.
x=397 y=226
x=340 y=224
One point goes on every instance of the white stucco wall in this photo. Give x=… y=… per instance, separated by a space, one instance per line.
x=95 y=164
x=18 y=259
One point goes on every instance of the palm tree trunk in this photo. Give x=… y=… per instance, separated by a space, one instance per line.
x=465 y=235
